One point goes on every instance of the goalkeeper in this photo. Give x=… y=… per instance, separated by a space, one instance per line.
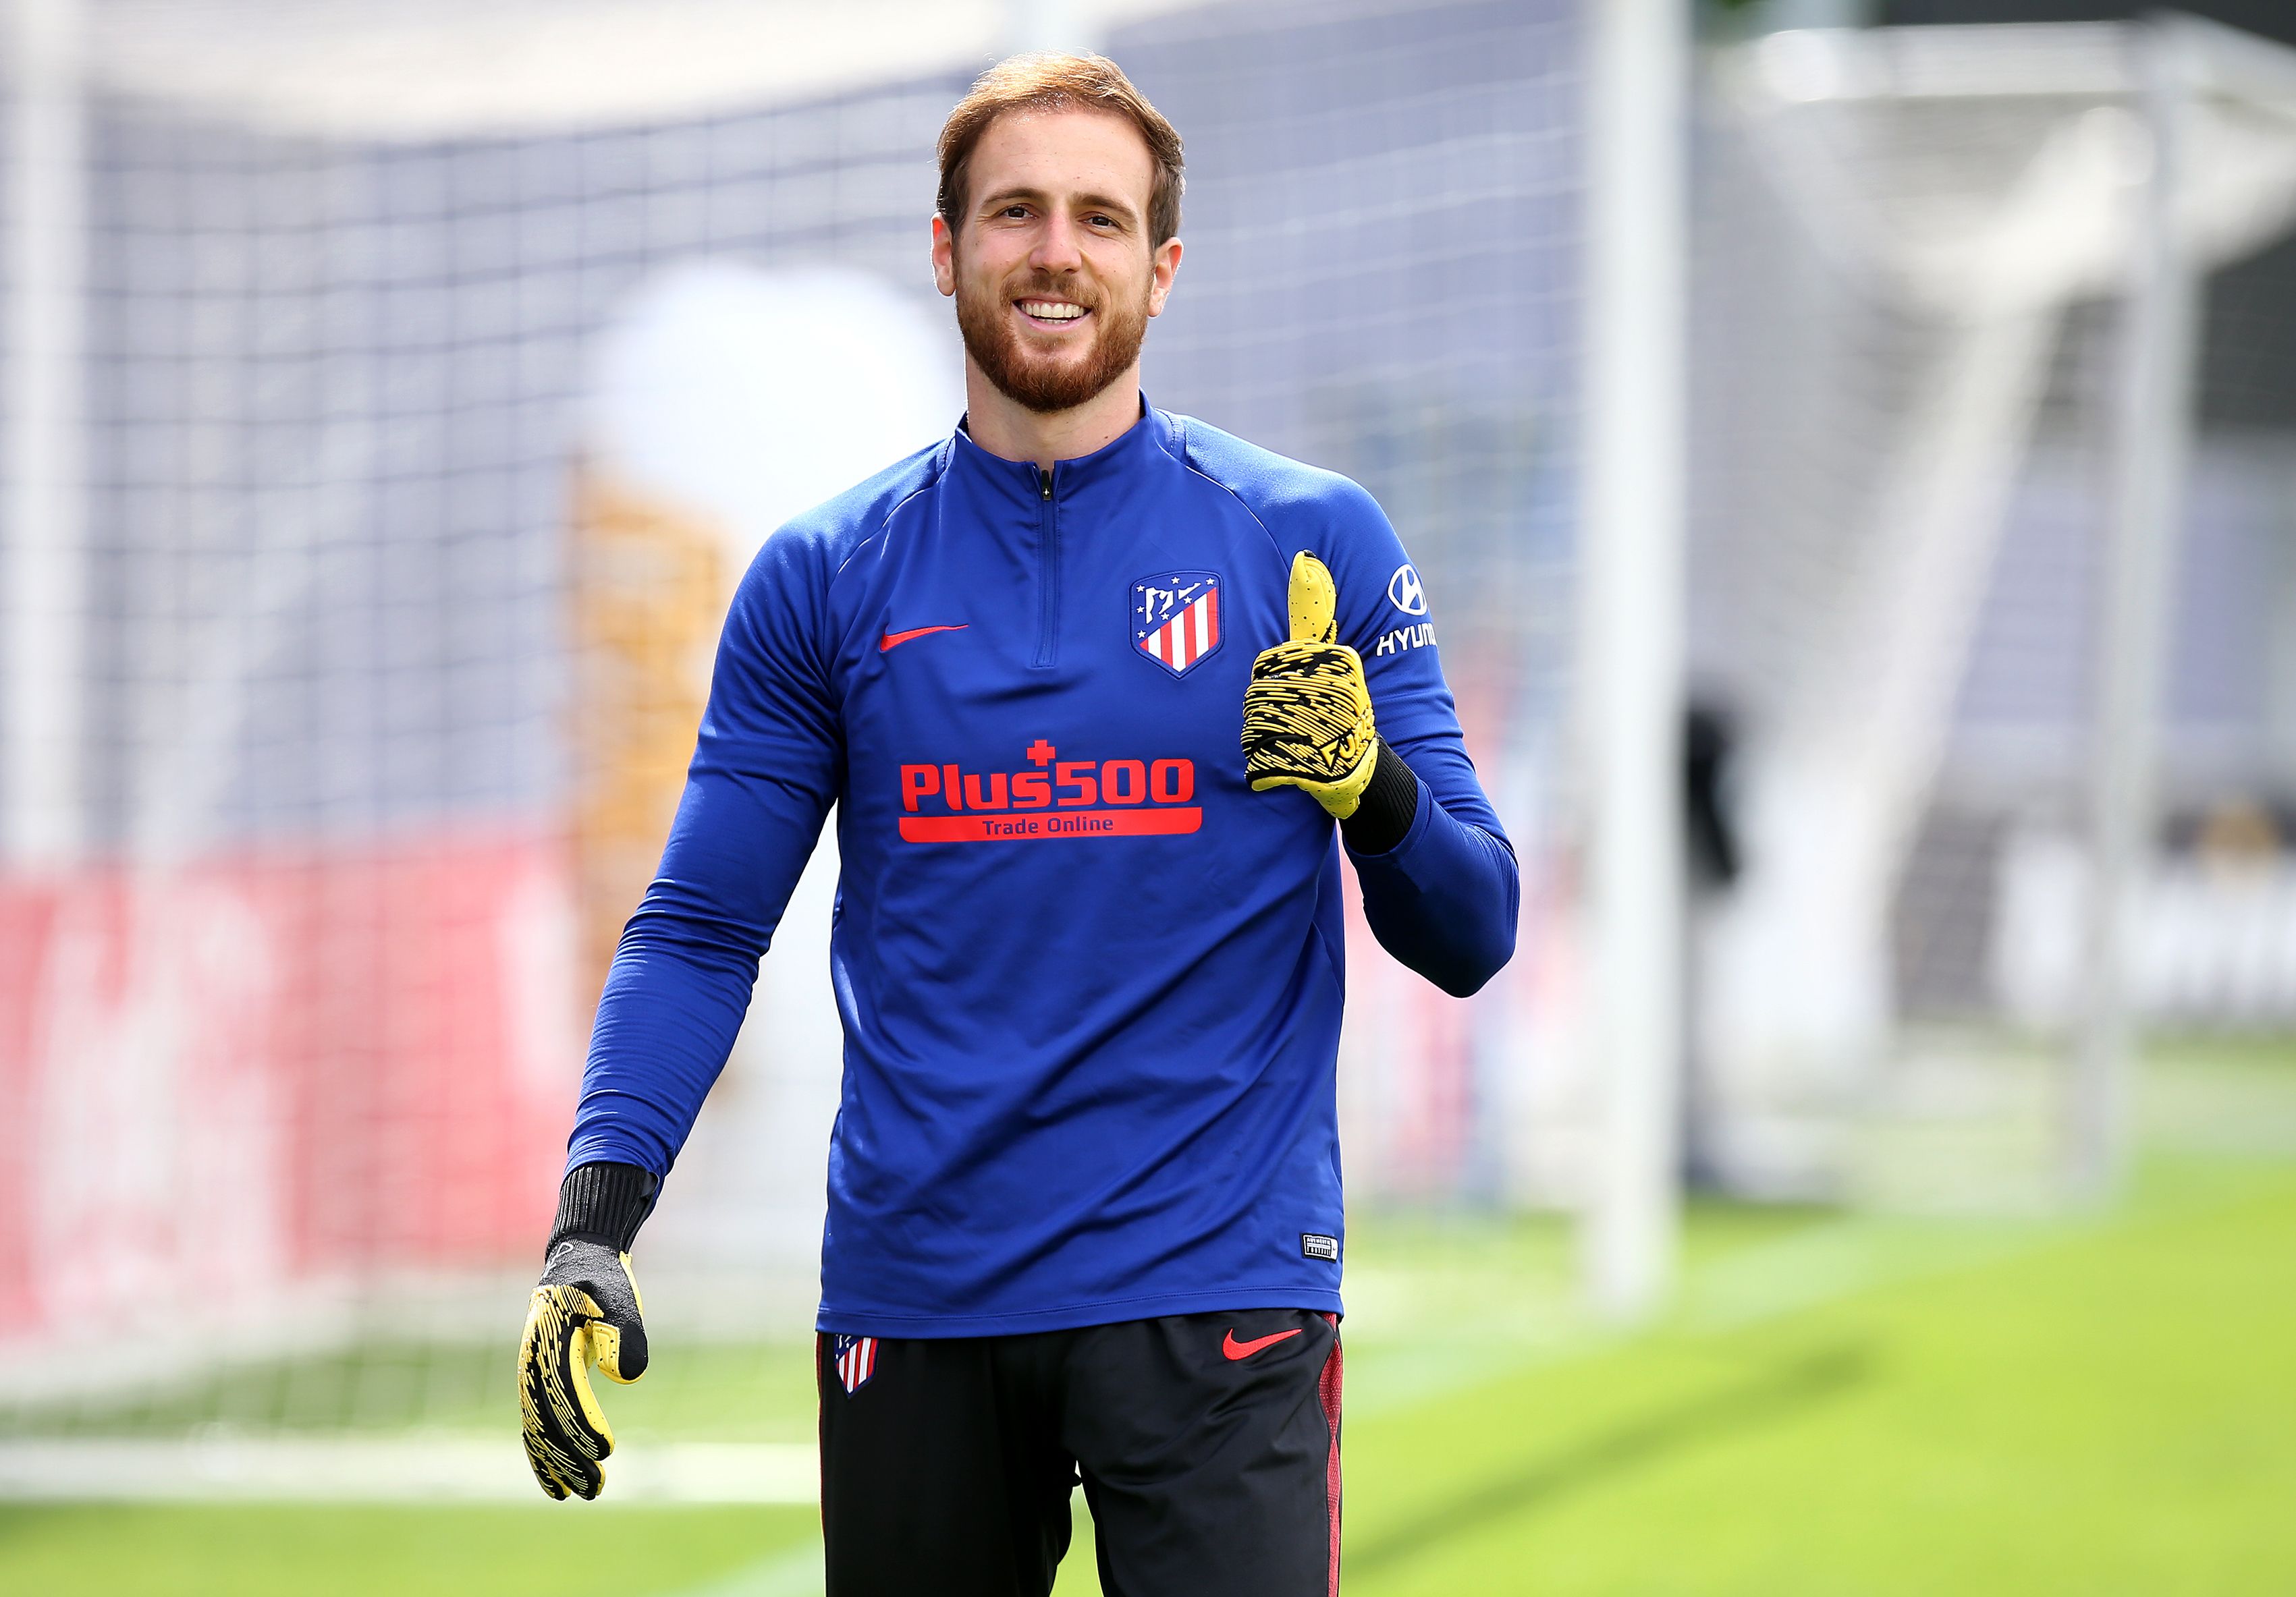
x=1087 y=685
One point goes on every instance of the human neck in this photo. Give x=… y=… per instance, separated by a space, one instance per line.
x=1013 y=431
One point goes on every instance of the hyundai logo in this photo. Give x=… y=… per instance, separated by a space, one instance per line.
x=1404 y=590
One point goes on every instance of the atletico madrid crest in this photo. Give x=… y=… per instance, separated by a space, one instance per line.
x=1175 y=618
x=856 y=1361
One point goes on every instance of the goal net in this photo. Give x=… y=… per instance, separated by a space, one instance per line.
x=429 y=387
x=392 y=395
x=1923 y=386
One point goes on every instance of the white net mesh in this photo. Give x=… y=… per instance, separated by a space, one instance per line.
x=420 y=461
x=1914 y=243
x=420 y=453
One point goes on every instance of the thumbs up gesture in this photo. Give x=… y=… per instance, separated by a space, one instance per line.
x=1306 y=712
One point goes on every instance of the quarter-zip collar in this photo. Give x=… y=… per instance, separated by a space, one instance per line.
x=1018 y=483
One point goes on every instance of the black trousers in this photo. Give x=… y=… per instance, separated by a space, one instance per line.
x=1208 y=1447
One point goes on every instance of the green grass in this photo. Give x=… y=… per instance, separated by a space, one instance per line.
x=1842 y=1404
x=709 y=1393
x=256 y=1552
x=2110 y=1409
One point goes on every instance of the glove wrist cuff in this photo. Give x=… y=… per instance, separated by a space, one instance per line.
x=1389 y=805
x=603 y=1203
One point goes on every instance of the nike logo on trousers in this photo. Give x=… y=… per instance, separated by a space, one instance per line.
x=1235 y=1349
x=892 y=639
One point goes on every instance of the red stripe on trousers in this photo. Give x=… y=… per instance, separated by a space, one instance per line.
x=1327 y=1387
x=820 y=1453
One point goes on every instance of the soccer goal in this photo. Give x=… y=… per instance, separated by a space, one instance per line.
x=1963 y=514
x=384 y=397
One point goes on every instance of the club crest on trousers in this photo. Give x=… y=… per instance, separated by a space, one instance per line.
x=856 y=1361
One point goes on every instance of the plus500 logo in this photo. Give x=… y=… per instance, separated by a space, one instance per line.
x=1111 y=797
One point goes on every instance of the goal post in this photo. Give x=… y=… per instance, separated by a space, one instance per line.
x=2182 y=67
x=1631 y=622
x=41 y=449
x=1952 y=275
x=2152 y=425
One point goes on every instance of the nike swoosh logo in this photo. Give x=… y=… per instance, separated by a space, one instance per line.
x=894 y=639
x=1235 y=1349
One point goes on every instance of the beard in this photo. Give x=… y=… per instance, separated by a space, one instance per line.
x=1039 y=382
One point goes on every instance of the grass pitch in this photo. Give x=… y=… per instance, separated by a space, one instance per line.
x=2095 y=1404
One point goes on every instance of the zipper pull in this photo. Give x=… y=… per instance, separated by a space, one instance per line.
x=1045 y=478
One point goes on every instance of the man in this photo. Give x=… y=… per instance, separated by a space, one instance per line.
x=1083 y=1193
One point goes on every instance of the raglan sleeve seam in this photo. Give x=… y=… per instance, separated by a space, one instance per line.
x=1188 y=462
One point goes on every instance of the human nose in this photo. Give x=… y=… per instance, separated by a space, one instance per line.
x=1057 y=247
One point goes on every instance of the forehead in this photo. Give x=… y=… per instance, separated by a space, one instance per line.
x=1062 y=152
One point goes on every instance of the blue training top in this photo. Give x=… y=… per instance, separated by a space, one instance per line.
x=1090 y=981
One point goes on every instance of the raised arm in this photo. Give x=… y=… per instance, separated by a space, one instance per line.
x=1354 y=709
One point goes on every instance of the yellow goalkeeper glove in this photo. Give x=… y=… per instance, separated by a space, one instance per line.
x=1306 y=711
x=586 y=1310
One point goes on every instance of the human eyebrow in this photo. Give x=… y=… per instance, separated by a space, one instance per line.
x=1117 y=209
x=1014 y=196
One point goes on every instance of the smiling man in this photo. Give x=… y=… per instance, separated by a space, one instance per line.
x=1099 y=693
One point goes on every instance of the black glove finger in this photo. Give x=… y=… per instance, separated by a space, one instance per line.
x=565 y=1432
x=620 y=1348
x=1307 y=723
x=1316 y=744
x=618 y=1339
x=563 y=1456
x=1305 y=662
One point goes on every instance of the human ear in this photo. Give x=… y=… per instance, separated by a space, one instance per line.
x=1163 y=265
x=944 y=257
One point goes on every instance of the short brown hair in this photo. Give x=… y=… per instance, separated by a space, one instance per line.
x=1043 y=82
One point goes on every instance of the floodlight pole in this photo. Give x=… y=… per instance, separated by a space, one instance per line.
x=2152 y=423
x=1631 y=621
x=39 y=811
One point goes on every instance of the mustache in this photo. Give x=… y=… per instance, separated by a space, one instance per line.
x=1056 y=285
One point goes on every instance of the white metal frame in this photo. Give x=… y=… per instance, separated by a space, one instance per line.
x=1632 y=624
x=2174 y=60
x=45 y=574
x=2141 y=196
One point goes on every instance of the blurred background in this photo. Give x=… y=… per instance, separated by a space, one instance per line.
x=1849 y=450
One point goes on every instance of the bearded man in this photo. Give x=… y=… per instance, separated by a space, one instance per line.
x=1085 y=1216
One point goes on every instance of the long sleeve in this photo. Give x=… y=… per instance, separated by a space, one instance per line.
x=1443 y=900
x=765 y=772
